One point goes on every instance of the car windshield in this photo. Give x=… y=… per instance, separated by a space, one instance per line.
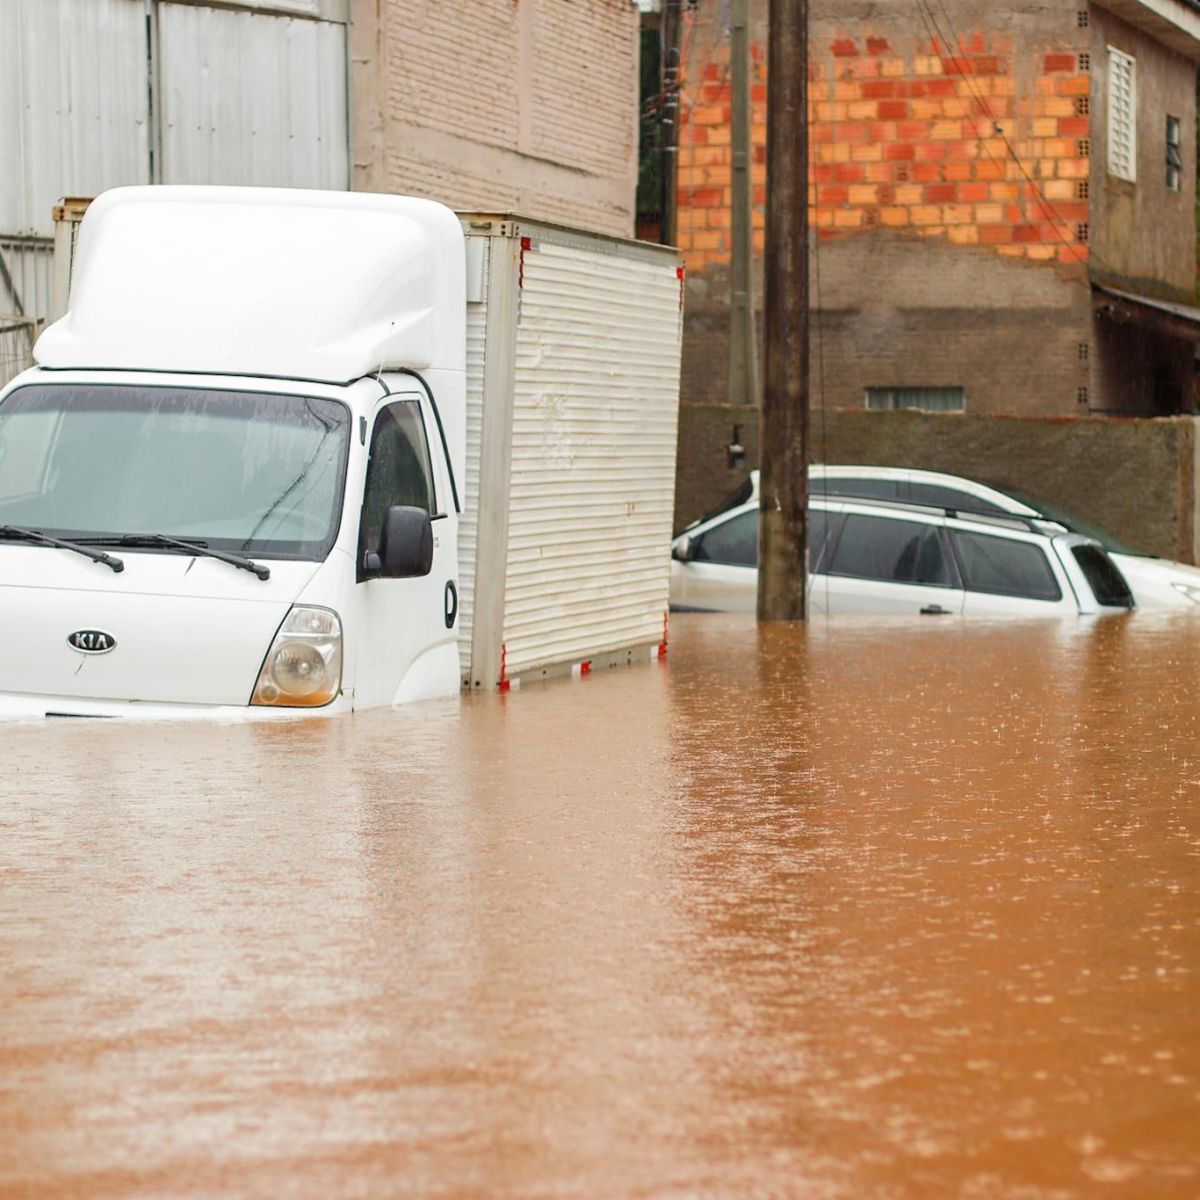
x=248 y=472
x=1051 y=512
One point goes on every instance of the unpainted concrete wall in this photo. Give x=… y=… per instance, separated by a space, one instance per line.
x=1135 y=478
x=526 y=106
x=1143 y=234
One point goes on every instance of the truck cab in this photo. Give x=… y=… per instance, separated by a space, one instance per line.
x=231 y=485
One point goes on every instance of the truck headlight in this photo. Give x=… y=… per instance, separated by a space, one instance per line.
x=303 y=668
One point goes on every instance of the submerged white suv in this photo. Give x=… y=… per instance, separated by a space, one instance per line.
x=893 y=556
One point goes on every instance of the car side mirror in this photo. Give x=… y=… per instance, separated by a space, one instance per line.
x=683 y=549
x=405 y=545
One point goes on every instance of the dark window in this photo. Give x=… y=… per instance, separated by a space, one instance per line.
x=1005 y=566
x=399 y=470
x=1106 y=581
x=733 y=543
x=855 y=485
x=898 y=551
x=948 y=497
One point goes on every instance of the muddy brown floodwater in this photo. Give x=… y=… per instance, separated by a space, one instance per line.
x=857 y=910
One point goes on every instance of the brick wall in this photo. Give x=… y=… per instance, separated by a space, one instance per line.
x=500 y=105
x=949 y=178
x=976 y=143
x=1135 y=478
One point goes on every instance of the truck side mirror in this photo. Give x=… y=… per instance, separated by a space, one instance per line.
x=683 y=549
x=405 y=545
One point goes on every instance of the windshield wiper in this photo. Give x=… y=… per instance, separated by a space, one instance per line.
x=134 y=540
x=35 y=535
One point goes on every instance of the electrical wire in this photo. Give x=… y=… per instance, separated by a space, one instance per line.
x=937 y=35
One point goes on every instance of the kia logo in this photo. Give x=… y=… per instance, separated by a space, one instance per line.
x=91 y=641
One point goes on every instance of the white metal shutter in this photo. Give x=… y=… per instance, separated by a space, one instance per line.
x=593 y=451
x=468 y=525
x=1122 y=115
x=251 y=98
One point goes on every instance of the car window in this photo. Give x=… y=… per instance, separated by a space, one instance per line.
x=1106 y=581
x=1005 y=566
x=733 y=543
x=398 y=471
x=818 y=524
x=897 y=551
x=948 y=497
x=855 y=485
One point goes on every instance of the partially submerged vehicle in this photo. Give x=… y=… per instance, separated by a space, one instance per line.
x=299 y=451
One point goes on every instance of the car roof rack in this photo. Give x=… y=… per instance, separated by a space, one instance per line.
x=1003 y=520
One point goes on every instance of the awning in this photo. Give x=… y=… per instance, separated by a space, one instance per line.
x=1174 y=320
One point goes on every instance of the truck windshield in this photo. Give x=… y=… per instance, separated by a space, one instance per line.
x=246 y=472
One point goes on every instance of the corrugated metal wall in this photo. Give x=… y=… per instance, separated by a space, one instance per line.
x=253 y=99
x=593 y=452
x=245 y=95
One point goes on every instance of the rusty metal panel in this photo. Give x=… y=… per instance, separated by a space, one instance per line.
x=253 y=98
x=73 y=104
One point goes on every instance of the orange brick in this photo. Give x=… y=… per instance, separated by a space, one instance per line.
x=893 y=68
x=1058 y=62
x=1058 y=189
x=895 y=217
x=964 y=235
x=707 y=240
x=994 y=235
x=1074 y=127
x=863 y=194
x=1011 y=251
x=926 y=172
x=956 y=172
x=1056 y=106
x=831 y=111
x=845 y=90
x=909 y=194
x=927 y=110
x=1001 y=192
x=710 y=114
x=862 y=110
x=1004 y=86
x=1073 y=168
x=989 y=168
x=1080 y=85
x=956 y=214
x=955 y=108
x=946 y=131
x=989 y=214
x=926 y=214
x=1045 y=127
x=1041 y=253
x=870 y=152
x=848 y=218
x=974 y=193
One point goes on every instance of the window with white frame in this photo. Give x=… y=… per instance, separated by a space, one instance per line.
x=1174 y=154
x=923 y=399
x=1122 y=115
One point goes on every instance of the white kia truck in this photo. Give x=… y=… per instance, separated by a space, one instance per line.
x=304 y=452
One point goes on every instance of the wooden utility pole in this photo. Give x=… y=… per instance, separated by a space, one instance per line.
x=783 y=426
x=743 y=341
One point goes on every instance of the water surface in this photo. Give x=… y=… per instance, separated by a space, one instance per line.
x=855 y=910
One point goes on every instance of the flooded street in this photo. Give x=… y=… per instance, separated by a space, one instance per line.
x=855 y=910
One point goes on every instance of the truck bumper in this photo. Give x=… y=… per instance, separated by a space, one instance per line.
x=35 y=708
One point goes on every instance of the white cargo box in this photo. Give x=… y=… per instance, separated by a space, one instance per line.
x=573 y=349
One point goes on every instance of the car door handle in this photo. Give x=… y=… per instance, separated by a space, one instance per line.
x=935 y=610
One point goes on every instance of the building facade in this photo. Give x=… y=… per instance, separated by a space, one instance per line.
x=525 y=106
x=1001 y=202
x=495 y=105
